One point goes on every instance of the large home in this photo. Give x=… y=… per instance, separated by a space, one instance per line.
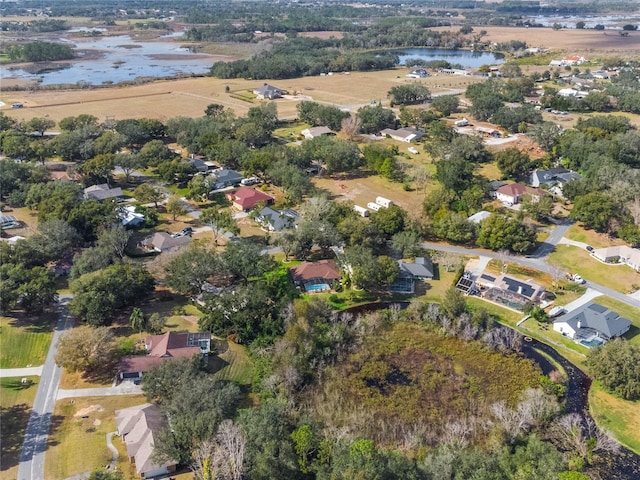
x=509 y=291
x=557 y=176
x=513 y=193
x=102 y=192
x=488 y=132
x=316 y=276
x=163 y=242
x=275 y=221
x=247 y=198
x=313 y=132
x=226 y=178
x=164 y=347
x=407 y=135
x=591 y=324
x=418 y=73
x=268 y=92
x=409 y=273
x=137 y=427
x=619 y=254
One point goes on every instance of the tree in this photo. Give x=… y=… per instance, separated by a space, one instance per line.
x=244 y=260
x=446 y=104
x=594 y=210
x=470 y=148
x=86 y=349
x=513 y=163
x=137 y=321
x=455 y=174
x=537 y=207
x=97 y=169
x=220 y=221
x=175 y=206
x=55 y=239
x=98 y=294
x=389 y=220
x=317 y=114
x=40 y=125
x=336 y=155
x=615 y=365
x=155 y=152
x=546 y=134
x=189 y=271
x=499 y=231
x=148 y=193
x=128 y=162
x=410 y=94
x=223 y=456
x=371 y=272
x=453 y=302
x=580 y=25
x=376 y=118
x=408 y=243
x=350 y=127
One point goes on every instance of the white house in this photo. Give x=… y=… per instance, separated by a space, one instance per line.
x=513 y=192
x=313 y=132
x=591 y=324
x=568 y=92
x=619 y=254
x=407 y=135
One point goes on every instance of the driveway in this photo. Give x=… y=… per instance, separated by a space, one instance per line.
x=21 y=372
x=125 y=388
x=589 y=295
x=31 y=466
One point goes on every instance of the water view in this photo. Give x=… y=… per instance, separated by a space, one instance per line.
x=119 y=59
x=466 y=58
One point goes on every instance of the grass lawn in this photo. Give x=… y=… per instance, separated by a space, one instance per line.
x=627 y=311
x=437 y=288
x=233 y=365
x=25 y=341
x=577 y=260
x=78 y=444
x=16 y=400
x=590 y=237
x=621 y=417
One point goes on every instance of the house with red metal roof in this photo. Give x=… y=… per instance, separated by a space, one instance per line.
x=247 y=198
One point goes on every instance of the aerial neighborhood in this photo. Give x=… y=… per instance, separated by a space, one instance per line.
x=320 y=240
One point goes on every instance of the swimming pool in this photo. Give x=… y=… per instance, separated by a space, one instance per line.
x=318 y=287
x=594 y=342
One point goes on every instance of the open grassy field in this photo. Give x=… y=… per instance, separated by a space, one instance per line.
x=233 y=365
x=620 y=417
x=578 y=260
x=592 y=44
x=189 y=97
x=597 y=240
x=16 y=400
x=25 y=341
x=78 y=444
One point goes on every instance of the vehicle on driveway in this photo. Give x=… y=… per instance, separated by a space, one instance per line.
x=589 y=248
x=578 y=279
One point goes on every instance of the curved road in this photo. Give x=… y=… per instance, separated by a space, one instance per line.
x=31 y=466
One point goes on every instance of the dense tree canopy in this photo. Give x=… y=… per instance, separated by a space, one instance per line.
x=617 y=366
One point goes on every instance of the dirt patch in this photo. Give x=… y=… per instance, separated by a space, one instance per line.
x=90 y=409
x=191 y=319
x=326 y=34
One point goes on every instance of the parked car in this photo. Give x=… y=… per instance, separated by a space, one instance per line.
x=589 y=248
x=578 y=279
x=187 y=231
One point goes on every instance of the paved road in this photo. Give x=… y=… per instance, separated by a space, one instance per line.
x=31 y=465
x=549 y=245
x=21 y=372
x=538 y=263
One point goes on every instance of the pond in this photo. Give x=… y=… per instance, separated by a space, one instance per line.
x=466 y=58
x=118 y=59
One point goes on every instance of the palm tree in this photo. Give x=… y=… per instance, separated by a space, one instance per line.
x=137 y=321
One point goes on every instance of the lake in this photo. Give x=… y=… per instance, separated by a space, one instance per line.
x=120 y=59
x=466 y=58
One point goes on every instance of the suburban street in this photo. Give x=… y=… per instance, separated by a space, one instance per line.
x=31 y=465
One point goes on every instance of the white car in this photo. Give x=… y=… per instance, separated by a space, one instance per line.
x=578 y=279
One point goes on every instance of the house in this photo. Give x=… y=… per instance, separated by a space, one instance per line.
x=591 y=324
x=9 y=221
x=489 y=132
x=479 y=216
x=573 y=60
x=619 y=254
x=556 y=63
x=418 y=73
x=463 y=122
x=568 y=92
x=102 y=192
x=247 y=198
x=554 y=178
x=409 y=273
x=199 y=164
x=163 y=242
x=513 y=193
x=275 y=221
x=316 y=276
x=269 y=92
x=313 y=132
x=509 y=291
x=129 y=217
x=226 y=178
x=453 y=71
x=407 y=135
x=137 y=427
x=164 y=347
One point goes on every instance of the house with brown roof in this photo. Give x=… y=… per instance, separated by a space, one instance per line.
x=316 y=276
x=137 y=426
x=246 y=198
x=513 y=193
x=164 y=347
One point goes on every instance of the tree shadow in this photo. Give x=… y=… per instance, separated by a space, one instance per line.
x=633 y=331
x=16 y=445
x=43 y=323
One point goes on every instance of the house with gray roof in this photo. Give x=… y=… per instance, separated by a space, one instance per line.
x=313 y=132
x=102 y=192
x=407 y=134
x=226 y=178
x=592 y=324
x=277 y=220
x=555 y=178
x=162 y=242
x=619 y=254
x=269 y=92
x=421 y=269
